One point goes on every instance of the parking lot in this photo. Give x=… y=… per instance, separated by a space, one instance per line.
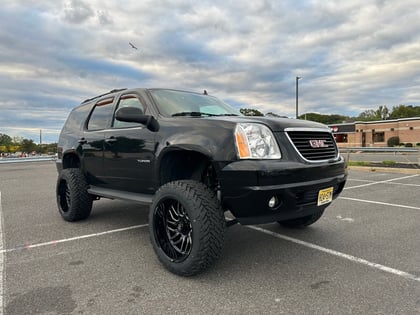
x=362 y=257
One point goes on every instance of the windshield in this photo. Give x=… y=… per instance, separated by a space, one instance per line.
x=178 y=103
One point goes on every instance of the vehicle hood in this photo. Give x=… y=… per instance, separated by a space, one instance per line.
x=275 y=124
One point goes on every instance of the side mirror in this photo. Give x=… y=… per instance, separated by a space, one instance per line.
x=135 y=114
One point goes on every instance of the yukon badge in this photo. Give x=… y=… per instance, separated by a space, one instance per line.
x=318 y=144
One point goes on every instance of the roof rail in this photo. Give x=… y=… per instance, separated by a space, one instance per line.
x=110 y=92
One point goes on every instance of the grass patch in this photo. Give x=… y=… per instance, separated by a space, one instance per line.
x=364 y=163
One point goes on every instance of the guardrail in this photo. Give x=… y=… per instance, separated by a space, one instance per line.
x=27 y=159
x=409 y=152
x=378 y=149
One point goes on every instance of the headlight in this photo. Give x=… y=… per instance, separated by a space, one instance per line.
x=256 y=141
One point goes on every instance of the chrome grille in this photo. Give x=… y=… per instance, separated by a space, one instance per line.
x=314 y=145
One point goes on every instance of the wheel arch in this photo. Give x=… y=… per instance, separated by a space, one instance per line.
x=181 y=164
x=71 y=160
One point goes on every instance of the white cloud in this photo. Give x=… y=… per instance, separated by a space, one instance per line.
x=77 y=11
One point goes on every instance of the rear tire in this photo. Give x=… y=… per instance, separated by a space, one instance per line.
x=302 y=222
x=73 y=200
x=187 y=227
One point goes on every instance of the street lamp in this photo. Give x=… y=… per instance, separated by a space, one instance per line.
x=297 y=95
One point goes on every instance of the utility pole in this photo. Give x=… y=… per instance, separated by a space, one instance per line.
x=297 y=96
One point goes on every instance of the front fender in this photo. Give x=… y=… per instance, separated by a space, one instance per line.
x=214 y=139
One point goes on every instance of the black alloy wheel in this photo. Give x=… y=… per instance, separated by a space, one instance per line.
x=173 y=229
x=73 y=200
x=186 y=226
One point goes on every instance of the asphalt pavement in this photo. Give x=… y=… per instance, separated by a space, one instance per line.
x=362 y=257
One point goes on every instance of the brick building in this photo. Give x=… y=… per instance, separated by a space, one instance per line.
x=377 y=133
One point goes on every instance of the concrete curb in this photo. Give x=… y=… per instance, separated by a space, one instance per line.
x=385 y=169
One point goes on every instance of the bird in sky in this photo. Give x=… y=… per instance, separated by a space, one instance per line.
x=132 y=46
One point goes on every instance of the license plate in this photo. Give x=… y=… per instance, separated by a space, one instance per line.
x=325 y=196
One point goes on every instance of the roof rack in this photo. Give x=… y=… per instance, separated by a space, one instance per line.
x=110 y=92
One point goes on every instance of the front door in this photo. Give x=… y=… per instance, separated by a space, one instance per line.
x=129 y=152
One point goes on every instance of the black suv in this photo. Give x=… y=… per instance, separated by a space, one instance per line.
x=192 y=158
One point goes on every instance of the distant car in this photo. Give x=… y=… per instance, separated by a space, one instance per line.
x=192 y=157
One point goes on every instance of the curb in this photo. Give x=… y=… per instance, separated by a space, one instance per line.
x=385 y=169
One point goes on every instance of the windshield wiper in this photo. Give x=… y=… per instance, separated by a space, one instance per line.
x=193 y=114
x=200 y=114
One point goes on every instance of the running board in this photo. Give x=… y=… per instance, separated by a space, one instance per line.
x=145 y=199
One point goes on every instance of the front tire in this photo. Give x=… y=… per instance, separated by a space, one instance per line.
x=187 y=227
x=73 y=200
x=303 y=222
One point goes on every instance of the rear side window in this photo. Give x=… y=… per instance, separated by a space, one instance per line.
x=100 y=117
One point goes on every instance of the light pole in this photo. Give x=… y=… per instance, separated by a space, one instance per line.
x=297 y=96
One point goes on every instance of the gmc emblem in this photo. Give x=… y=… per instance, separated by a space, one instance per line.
x=318 y=144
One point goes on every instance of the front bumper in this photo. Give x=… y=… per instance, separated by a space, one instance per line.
x=247 y=186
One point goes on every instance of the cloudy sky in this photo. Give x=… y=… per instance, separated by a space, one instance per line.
x=352 y=55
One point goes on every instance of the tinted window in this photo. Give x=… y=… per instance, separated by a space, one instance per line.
x=171 y=102
x=77 y=118
x=100 y=117
x=128 y=101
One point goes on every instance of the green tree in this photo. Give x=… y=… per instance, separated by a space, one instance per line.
x=17 y=140
x=28 y=145
x=368 y=115
x=5 y=141
x=271 y=114
x=404 y=111
x=250 y=112
x=324 y=119
x=338 y=119
x=382 y=112
x=47 y=148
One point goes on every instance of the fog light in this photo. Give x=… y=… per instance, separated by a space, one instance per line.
x=273 y=202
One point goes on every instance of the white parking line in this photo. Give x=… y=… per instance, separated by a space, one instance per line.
x=362 y=261
x=379 y=203
x=2 y=271
x=360 y=180
x=30 y=246
x=388 y=183
x=381 y=182
x=394 y=271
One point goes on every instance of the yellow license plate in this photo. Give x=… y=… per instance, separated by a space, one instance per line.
x=325 y=196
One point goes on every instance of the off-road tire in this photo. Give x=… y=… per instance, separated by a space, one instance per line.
x=187 y=227
x=303 y=222
x=73 y=200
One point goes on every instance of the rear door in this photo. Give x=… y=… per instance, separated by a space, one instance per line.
x=129 y=151
x=92 y=141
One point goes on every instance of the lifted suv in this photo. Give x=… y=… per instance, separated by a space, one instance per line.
x=192 y=157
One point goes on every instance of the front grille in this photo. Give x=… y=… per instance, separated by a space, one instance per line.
x=314 y=145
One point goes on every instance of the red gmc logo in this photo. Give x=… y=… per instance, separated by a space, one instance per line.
x=318 y=144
